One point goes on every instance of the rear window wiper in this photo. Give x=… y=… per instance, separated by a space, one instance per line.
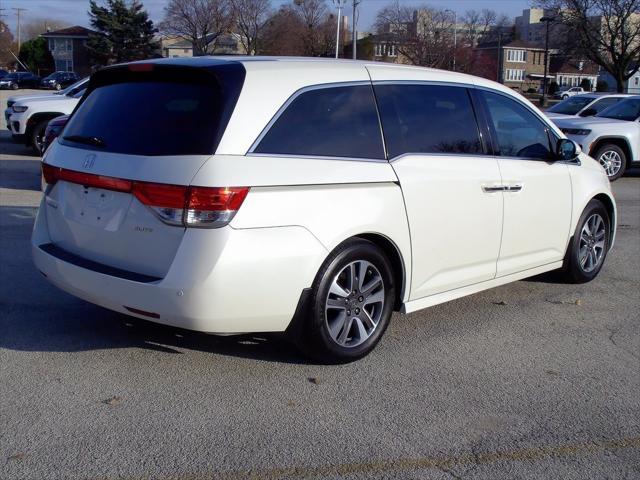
x=87 y=140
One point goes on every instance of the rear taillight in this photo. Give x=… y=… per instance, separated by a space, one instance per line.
x=173 y=204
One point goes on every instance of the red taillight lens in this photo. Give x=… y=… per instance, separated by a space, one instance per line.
x=160 y=195
x=173 y=204
x=216 y=199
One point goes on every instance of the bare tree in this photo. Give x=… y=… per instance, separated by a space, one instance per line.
x=199 y=21
x=282 y=33
x=318 y=30
x=606 y=32
x=37 y=26
x=250 y=18
x=423 y=36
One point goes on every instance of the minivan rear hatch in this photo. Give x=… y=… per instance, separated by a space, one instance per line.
x=121 y=172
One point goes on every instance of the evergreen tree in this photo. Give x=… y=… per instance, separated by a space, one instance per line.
x=36 y=56
x=123 y=33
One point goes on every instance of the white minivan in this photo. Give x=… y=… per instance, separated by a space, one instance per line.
x=313 y=197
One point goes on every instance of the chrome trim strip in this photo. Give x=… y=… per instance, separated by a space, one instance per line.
x=316 y=157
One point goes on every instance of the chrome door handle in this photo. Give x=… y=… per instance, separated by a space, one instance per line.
x=493 y=188
x=516 y=187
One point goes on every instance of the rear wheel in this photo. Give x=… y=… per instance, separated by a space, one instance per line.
x=14 y=86
x=589 y=246
x=613 y=160
x=57 y=86
x=352 y=302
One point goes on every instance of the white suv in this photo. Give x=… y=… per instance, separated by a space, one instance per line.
x=309 y=196
x=612 y=136
x=28 y=118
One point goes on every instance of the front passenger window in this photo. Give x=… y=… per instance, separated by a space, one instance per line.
x=518 y=132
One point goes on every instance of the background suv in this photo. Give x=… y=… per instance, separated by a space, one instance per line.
x=352 y=190
x=584 y=105
x=28 y=119
x=17 y=80
x=612 y=136
x=59 y=80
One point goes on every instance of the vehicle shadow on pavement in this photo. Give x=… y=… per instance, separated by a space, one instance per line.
x=20 y=174
x=36 y=316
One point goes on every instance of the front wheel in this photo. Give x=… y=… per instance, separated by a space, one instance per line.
x=613 y=160
x=14 y=86
x=58 y=86
x=352 y=302
x=37 y=137
x=589 y=246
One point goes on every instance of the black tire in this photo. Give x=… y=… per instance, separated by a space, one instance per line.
x=36 y=139
x=564 y=97
x=317 y=341
x=14 y=86
x=572 y=270
x=612 y=148
x=58 y=86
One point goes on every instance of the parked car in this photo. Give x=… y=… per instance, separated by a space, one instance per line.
x=584 y=105
x=612 y=136
x=17 y=80
x=59 y=80
x=69 y=91
x=180 y=193
x=29 y=118
x=566 y=92
x=53 y=130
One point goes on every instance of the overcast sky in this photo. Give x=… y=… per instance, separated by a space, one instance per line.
x=75 y=11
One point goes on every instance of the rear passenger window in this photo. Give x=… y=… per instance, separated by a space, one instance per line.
x=427 y=119
x=519 y=133
x=327 y=122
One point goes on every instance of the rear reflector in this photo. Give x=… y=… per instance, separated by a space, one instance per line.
x=173 y=204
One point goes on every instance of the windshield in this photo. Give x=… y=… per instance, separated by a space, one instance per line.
x=571 y=105
x=626 y=110
x=53 y=76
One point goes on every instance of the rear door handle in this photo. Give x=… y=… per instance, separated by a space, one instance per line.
x=493 y=188
x=515 y=187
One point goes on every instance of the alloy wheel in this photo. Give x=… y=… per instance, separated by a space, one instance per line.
x=611 y=162
x=354 y=304
x=592 y=243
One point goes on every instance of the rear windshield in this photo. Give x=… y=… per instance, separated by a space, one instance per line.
x=154 y=117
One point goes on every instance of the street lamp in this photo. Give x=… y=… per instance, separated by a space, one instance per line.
x=547 y=20
x=455 y=36
x=340 y=4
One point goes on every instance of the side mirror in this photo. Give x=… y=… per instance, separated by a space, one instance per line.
x=589 y=112
x=566 y=149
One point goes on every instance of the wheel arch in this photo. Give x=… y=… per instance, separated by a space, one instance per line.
x=394 y=255
x=621 y=142
x=611 y=210
x=36 y=118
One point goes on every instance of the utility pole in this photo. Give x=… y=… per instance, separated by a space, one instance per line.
x=543 y=100
x=340 y=4
x=455 y=36
x=354 y=34
x=18 y=12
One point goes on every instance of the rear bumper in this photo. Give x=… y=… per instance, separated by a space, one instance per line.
x=221 y=280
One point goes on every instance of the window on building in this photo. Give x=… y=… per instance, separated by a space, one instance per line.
x=516 y=55
x=327 y=122
x=427 y=119
x=514 y=75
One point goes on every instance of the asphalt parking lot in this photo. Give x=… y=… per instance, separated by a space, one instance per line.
x=535 y=380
